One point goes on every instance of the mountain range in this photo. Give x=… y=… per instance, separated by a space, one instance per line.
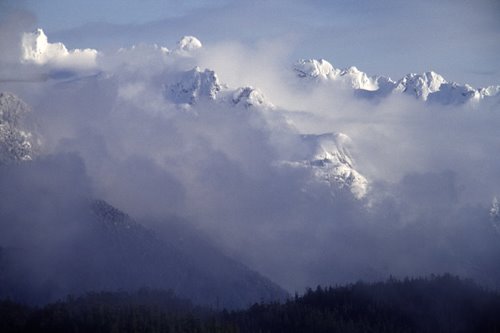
x=186 y=88
x=429 y=86
x=105 y=248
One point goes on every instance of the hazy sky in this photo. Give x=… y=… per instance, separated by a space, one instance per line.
x=458 y=39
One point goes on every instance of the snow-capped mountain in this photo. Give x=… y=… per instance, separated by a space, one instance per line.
x=357 y=79
x=330 y=161
x=322 y=70
x=196 y=85
x=158 y=132
x=17 y=142
x=328 y=158
x=249 y=96
x=490 y=91
x=429 y=86
x=454 y=93
x=333 y=163
x=420 y=85
x=191 y=86
x=189 y=43
x=316 y=69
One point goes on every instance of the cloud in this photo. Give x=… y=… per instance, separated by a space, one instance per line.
x=432 y=169
x=43 y=201
x=36 y=49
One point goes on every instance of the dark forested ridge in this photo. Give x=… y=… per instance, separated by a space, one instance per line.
x=436 y=304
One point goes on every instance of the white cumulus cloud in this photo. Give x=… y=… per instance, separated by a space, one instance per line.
x=37 y=49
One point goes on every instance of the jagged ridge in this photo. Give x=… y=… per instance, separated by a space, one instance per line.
x=428 y=86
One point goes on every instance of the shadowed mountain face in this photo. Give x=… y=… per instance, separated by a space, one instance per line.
x=80 y=245
x=175 y=258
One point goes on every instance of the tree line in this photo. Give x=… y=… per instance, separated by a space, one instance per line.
x=433 y=304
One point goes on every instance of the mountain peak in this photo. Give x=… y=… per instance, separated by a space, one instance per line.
x=321 y=69
x=357 y=79
x=428 y=86
x=189 y=43
x=313 y=68
x=332 y=162
x=420 y=85
x=193 y=85
x=329 y=161
x=248 y=97
x=352 y=70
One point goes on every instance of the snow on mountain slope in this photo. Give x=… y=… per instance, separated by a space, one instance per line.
x=249 y=96
x=315 y=69
x=428 y=86
x=197 y=86
x=433 y=88
x=357 y=79
x=189 y=43
x=330 y=161
x=327 y=157
x=36 y=49
x=17 y=143
x=190 y=86
x=321 y=70
x=454 y=93
x=420 y=85
x=490 y=91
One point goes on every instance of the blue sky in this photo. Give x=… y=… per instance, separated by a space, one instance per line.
x=458 y=39
x=62 y=14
